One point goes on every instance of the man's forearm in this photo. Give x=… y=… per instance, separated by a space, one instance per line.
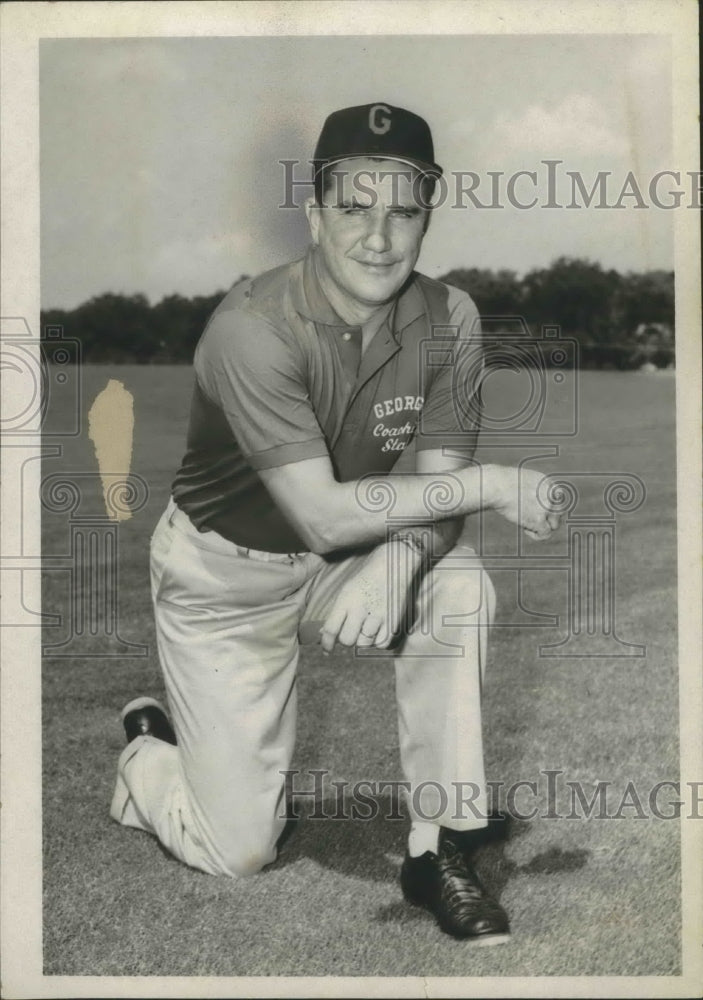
x=329 y=515
x=365 y=510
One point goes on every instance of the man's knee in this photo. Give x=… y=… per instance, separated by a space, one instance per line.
x=245 y=849
x=246 y=856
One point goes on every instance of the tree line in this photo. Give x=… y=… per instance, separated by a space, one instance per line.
x=619 y=320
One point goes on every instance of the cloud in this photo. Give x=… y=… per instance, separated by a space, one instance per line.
x=196 y=264
x=578 y=125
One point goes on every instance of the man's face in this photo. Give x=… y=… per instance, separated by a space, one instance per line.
x=370 y=229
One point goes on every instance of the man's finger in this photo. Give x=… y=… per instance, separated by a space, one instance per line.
x=388 y=631
x=352 y=627
x=554 y=520
x=330 y=630
x=539 y=533
x=368 y=631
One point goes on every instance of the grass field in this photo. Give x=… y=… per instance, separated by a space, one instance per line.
x=586 y=897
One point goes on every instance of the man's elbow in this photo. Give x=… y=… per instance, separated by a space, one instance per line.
x=324 y=539
x=321 y=535
x=315 y=513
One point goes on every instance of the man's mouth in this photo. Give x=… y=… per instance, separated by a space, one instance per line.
x=377 y=265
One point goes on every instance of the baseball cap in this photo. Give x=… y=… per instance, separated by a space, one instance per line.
x=380 y=130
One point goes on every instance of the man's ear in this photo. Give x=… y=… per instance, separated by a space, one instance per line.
x=426 y=222
x=312 y=212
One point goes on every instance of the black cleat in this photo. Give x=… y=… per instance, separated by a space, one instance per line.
x=447 y=885
x=147 y=717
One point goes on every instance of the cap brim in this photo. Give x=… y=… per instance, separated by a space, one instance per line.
x=433 y=169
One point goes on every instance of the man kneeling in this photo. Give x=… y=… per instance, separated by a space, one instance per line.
x=310 y=382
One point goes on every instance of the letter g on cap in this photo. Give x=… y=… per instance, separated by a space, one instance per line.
x=379 y=124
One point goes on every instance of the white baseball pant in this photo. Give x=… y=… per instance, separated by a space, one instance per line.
x=227 y=622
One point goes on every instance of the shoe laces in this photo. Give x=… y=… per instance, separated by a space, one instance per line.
x=461 y=884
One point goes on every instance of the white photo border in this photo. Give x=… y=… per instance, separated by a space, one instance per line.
x=23 y=25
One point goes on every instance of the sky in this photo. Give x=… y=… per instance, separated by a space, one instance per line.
x=160 y=167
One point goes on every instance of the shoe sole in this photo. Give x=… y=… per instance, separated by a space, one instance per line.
x=482 y=940
x=476 y=940
x=142 y=702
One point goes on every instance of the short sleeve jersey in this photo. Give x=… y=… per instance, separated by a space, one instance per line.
x=275 y=383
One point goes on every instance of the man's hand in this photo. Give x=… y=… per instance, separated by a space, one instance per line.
x=369 y=608
x=516 y=494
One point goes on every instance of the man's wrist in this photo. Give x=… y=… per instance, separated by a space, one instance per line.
x=416 y=544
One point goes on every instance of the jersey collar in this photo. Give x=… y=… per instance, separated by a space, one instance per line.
x=311 y=302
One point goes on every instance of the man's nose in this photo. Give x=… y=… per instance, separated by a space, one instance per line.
x=377 y=235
